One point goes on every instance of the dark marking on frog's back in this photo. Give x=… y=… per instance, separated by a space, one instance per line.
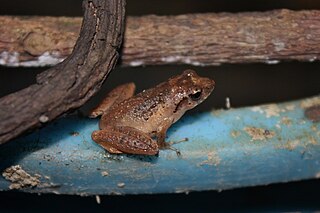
x=151 y=101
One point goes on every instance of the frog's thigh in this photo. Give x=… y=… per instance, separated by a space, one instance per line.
x=98 y=137
x=115 y=96
x=126 y=139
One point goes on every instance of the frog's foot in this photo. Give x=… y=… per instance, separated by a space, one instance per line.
x=123 y=139
x=168 y=145
x=176 y=150
x=176 y=142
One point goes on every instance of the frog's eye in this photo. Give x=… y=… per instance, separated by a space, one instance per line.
x=196 y=95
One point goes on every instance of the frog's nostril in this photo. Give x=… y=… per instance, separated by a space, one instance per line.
x=212 y=82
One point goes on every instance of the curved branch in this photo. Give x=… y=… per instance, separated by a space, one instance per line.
x=71 y=83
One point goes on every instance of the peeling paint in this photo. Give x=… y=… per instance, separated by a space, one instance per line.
x=259 y=133
x=235 y=134
x=290 y=107
x=257 y=109
x=19 y=178
x=104 y=173
x=213 y=159
x=312 y=141
x=286 y=121
x=269 y=110
x=310 y=102
x=293 y=144
x=272 y=110
x=314 y=128
x=121 y=185
x=290 y=145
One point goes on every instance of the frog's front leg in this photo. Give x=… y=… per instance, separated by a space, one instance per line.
x=162 y=133
x=161 y=136
x=123 y=139
x=115 y=96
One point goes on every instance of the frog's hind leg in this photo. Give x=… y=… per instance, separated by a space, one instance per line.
x=123 y=139
x=115 y=96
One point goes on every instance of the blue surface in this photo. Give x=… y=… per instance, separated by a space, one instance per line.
x=221 y=154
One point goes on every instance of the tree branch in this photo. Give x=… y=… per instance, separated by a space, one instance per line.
x=71 y=83
x=197 y=39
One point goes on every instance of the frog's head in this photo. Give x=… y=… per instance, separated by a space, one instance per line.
x=192 y=89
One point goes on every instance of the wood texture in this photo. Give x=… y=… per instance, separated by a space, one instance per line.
x=197 y=39
x=71 y=83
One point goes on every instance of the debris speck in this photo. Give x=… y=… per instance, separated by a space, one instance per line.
x=290 y=107
x=121 y=185
x=74 y=133
x=228 y=103
x=259 y=133
x=312 y=141
x=20 y=178
x=43 y=118
x=136 y=63
x=286 y=121
x=272 y=61
x=213 y=159
x=272 y=110
x=257 y=109
x=185 y=191
x=291 y=145
x=235 y=134
x=98 y=199
x=104 y=173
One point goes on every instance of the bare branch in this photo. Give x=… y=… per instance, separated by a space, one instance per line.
x=197 y=39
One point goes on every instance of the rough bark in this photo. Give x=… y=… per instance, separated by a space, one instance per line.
x=71 y=83
x=197 y=39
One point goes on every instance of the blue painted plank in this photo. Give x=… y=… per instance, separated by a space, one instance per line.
x=226 y=149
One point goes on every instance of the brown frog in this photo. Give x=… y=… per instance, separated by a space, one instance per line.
x=129 y=123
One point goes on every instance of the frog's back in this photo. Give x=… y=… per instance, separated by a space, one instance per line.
x=145 y=111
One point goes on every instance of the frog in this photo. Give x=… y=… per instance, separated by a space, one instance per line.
x=138 y=124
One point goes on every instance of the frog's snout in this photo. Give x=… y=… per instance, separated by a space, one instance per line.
x=208 y=84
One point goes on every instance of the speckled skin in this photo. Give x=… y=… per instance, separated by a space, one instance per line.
x=127 y=126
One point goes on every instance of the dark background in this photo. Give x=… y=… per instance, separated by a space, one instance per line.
x=244 y=84
x=164 y=7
